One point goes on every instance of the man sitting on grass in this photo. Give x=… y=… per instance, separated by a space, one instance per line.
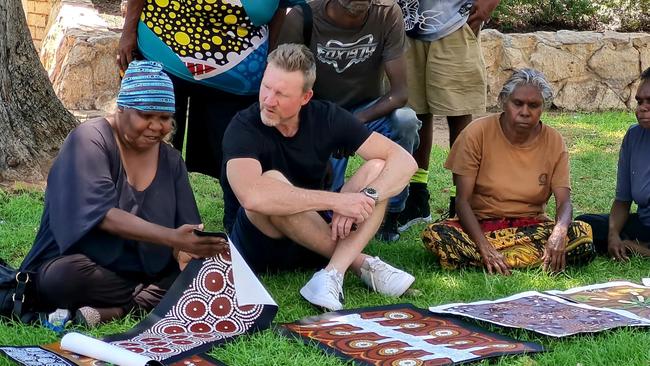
x=275 y=154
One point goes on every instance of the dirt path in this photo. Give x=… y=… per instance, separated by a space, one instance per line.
x=440 y=132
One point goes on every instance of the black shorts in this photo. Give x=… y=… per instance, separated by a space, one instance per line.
x=265 y=254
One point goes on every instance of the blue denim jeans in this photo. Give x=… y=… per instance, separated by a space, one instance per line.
x=402 y=127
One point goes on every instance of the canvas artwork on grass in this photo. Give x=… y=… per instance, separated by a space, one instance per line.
x=544 y=314
x=402 y=335
x=211 y=301
x=620 y=295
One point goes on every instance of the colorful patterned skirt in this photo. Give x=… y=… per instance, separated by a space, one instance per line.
x=520 y=240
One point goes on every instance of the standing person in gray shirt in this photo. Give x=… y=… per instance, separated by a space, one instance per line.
x=446 y=77
x=354 y=43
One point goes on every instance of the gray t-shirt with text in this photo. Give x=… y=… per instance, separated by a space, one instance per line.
x=430 y=20
x=349 y=62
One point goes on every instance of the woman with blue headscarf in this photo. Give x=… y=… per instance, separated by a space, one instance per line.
x=119 y=209
x=215 y=52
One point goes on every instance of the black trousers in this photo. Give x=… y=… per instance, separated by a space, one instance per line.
x=74 y=281
x=209 y=113
x=632 y=230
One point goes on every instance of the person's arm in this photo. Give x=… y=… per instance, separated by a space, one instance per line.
x=396 y=96
x=618 y=216
x=554 y=258
x=480 y=13
x=492 y=259
x=398 y=168
x=129 y=38
x=263 y=194
x=638 y=248
x=275 y=26
x=399 y=165
x=126 y=225
x=289 y=29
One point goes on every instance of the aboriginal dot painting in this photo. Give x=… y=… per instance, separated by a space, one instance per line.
x=205 y=313
x=35 y=356
x=53 y=355
x=402 y=335
x=543 y=314
x=620 y=295
x=211 y=301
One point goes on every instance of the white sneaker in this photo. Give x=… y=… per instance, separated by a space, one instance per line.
x=325 y=289
x=384 y=278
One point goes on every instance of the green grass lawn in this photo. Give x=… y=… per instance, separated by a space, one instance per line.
x=593 y=141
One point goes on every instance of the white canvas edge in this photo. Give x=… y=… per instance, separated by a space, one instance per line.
x=595 y=287
x=248 y=289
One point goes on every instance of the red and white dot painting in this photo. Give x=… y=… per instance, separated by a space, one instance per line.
x=402 y=335
x=206 y=312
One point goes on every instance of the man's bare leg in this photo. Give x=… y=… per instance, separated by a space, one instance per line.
x=311 y=231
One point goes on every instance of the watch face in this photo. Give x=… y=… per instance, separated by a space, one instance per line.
x=371 y=191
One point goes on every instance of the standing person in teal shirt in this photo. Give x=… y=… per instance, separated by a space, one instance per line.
x=446 y=77
x=215 y=53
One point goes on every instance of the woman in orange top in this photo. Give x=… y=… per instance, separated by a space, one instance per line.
x=506 y=166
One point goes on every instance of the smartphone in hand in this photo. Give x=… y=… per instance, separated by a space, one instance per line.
x=211 y=233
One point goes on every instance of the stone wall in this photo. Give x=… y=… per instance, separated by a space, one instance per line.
x=78 y=54
x=38 y=17
x=590 y=71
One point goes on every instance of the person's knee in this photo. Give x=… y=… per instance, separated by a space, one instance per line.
x=285 y=223
x=374 y=166
x=405 y=126
x=281 y=221
x=64 y=278
x=405 y=121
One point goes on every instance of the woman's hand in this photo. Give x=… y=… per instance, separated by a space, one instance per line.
x=480 y=13
x=184 y=240
x=128 y=43
x=494 y=261
x=554 y=258
x=183 y=259
x=617 y=248
x=129 y=39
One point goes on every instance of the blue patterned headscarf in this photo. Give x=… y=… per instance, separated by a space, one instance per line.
x=146 y=87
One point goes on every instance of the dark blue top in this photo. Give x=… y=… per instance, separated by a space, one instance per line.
x=86 y=180
x=633 y=180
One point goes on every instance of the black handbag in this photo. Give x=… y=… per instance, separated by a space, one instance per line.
x=15 y=293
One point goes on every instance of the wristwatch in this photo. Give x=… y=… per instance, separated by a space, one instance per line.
x=371 y=192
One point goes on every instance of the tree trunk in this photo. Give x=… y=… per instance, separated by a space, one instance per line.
x=33 y=122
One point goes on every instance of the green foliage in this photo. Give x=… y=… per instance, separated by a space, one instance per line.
x=636 y=14
x=593 y=141
x=532 y=15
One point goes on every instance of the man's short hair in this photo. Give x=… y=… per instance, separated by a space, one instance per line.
x=295 y=57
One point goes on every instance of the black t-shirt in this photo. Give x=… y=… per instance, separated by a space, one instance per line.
x=324 y=128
